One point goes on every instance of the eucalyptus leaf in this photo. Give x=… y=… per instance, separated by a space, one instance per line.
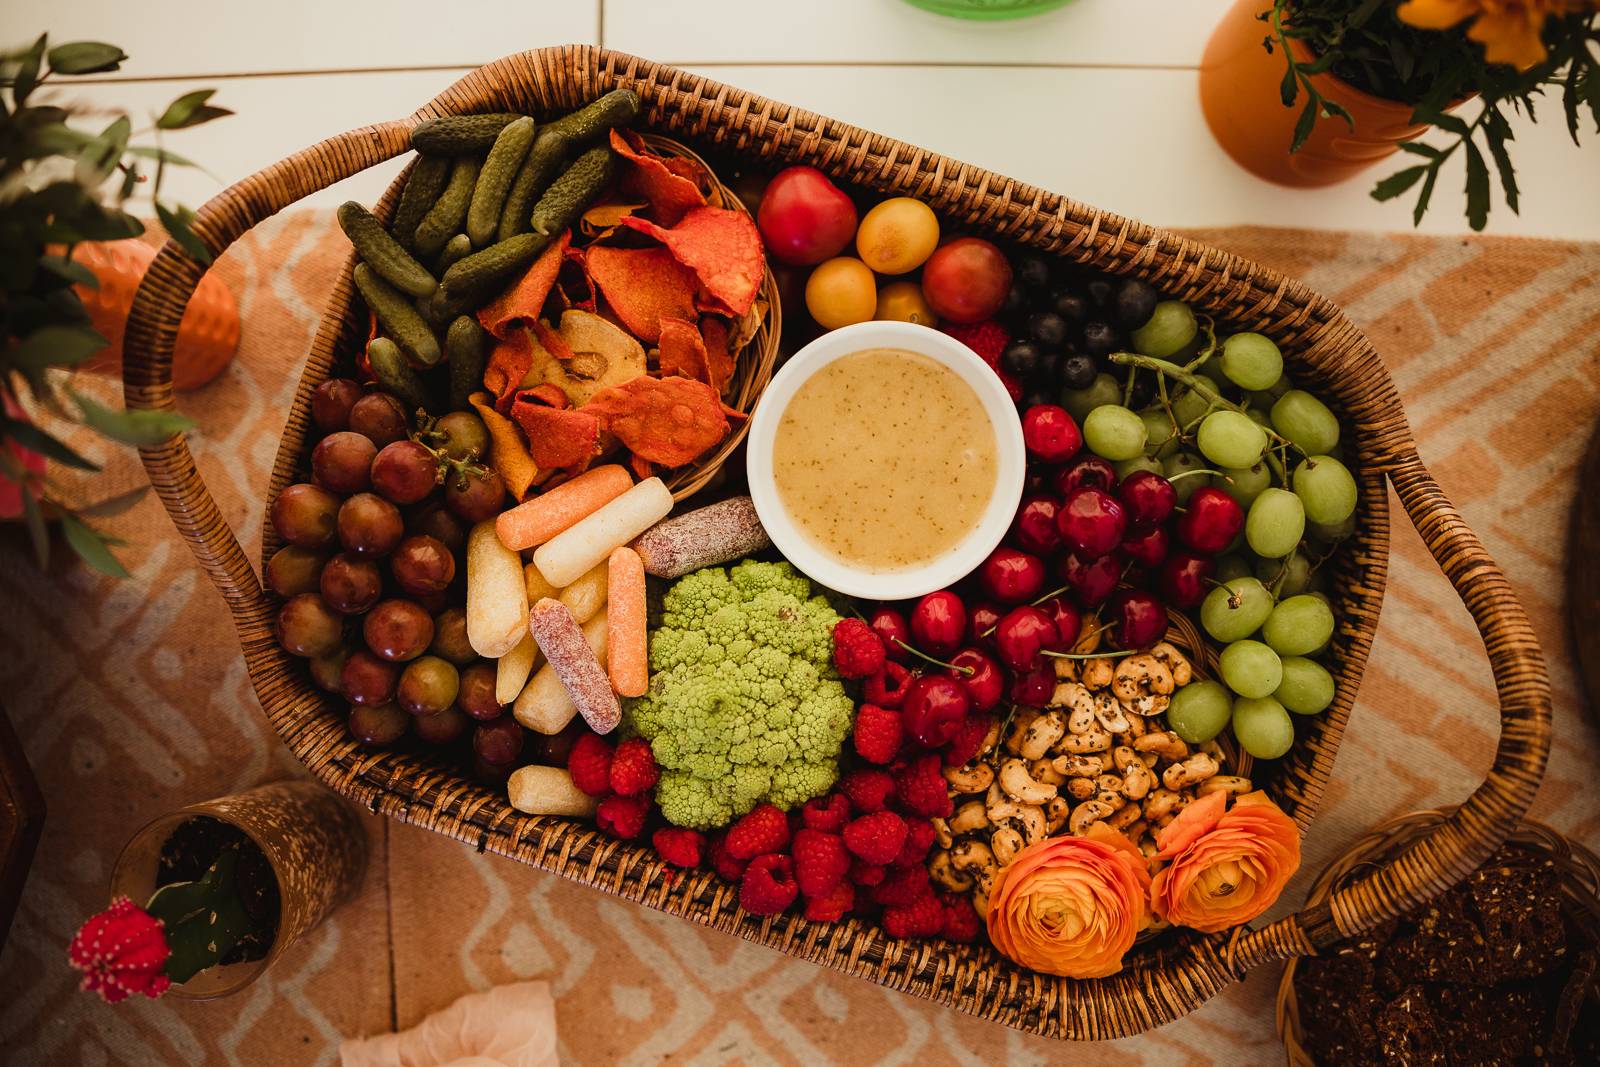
x=91 y=547
x=38 y=533
x=27 y=75
x=71 y=270
x=163 y=155
x=1304 y=125
x=176 y=220
x=141 y=428
x=31 y=437
x=191 y=109
x=57 y=346
x=85 y=57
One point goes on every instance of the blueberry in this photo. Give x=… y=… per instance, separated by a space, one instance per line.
x=1077 y=372
x=1020 y=358
x=1136 y=301
x=1047 y=328
x=1049 y=366
x=1015 y=303
x=1099 y=291
x=1033 y=272
x=1070 y=304
x=1099 y=338
x=1037 y=395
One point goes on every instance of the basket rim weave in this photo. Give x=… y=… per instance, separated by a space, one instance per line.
x=1329 y=353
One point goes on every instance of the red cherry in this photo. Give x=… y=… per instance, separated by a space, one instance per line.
x=1034 y=529
x=981 y=622
x=1090 y=472
x=1091 y=522
x=1067 y=619
x=1211 y=522
x=1149 y=548
x=1033 y=688
x=891 y=626
x=1185 y=578
x=934 y=706
x=1138 y=619
x=987 y=682
x=1147 y=497
x=1022 y=635
x=1050 y=433
x=1091 y=580
x=1012 y=577
x=938 y=623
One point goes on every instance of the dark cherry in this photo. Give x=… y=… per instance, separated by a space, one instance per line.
x=890 y=625
x=1011 y=576
x=366 y=679
x=1091 y=522
x=934 y=706
x=1091 y=580
x=1033 y=688
x=981 y=622
x=1211 y=521
x=1022 y=634
x=1186 y=578
x=986 y=683
x=1147 y=548
x=1049 y=433
x=1090 y=472
x=1147 y=497
x=1034 y=529
x=938 y=623
x=1068 y=622
x=1138 y=619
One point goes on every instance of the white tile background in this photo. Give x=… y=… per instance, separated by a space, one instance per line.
x=1097 y=100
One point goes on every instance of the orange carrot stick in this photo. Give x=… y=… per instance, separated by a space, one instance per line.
x=629 y=652
x=533 y=522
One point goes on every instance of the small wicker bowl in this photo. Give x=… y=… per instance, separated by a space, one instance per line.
x=1580 y=885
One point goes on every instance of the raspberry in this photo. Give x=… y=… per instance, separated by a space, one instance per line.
x=857 y=650
x=877 y=733
x=820 y=862
x=728 y=868
x=868 y=789
x=963 y=746
x=920 y=788
x=768 y=885
x=903 y=885
x=876 y=838
x=919 y=839
x=988 y=338
x=764 y=830
x=828 y=813
x=633 y=768
x=867 y=874
x=679 y=845
x=923 y=918
x=622 y=817
x=887 y=688
x=832 y=905
x=961 y=921
x=589 y=763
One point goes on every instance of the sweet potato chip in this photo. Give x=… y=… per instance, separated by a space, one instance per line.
x=507 y=452
x=643 y=286
x=523 y=301
x=601 y=219
x=683 y=352
x=511 y=361
x=642 y=468
x=551 y=395
x=670 y=421
x=719 y=360
x=721 y=247
x=557 y=437
x=603 y=355
x=573 y=285
x=671 y=196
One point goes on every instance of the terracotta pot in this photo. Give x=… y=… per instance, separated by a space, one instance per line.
x=1239 y=93
x=313 y=841
x=208 y=336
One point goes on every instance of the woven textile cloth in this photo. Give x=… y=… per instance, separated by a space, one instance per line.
x=131 y=699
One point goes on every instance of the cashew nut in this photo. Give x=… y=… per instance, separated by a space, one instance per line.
x=1066 y=669
x=1109 y=714
x=1137 y=780
x=990 y=739
x=1004 y=811
x=1055 y=814
x=975 y=859
x=1080 y=788
x=1123 y=757
x=972 y=777
x=1043 y=732
x=1044 y=770
x=1086 y=814
x=1159 y=804
x=1076 y=766
x=1095 y=740
x=1097 y=673
x=1197 y=768
x=1125 y=817
x=1150 y=760
x=1139 y=676
x=1019 y=726
x=1075 y=697
x=1165 y=743
x=941 y=833
x=968 y=817
x=1020 y=785
x=1108 y=782
x=1108 y=762
x=1006 y=843
x=1137 y=727
x=1165 y=821
x=944 y=872
x=1224 y=783
x=1135 y=829
x=1176 y=663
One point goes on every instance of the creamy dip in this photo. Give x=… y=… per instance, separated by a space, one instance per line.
x=885 y=459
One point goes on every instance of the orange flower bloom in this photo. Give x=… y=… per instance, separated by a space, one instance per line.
x=1508 y=29
x=1227 y=866
x=1071 y=905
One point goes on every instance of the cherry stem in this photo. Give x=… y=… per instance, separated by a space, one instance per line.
x=1032 y=603
x=968 y=671
x=1199 y=470
x=1089 y=655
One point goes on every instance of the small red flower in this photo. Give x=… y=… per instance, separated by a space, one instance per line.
x=122 y=951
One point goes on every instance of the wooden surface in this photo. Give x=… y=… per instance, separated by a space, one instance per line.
x=1097 y=100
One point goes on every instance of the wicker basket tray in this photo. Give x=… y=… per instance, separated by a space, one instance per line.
x=1163 y=979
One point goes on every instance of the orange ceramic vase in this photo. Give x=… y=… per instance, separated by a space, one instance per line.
x=1240 y=96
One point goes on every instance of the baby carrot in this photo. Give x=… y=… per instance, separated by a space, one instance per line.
x=533 y=522
x=629 y=653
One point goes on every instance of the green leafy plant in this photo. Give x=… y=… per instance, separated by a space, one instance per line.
x=1368 y=44
x=60 y=187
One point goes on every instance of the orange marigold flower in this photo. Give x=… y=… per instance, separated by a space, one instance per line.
x=1227 y=866
x=1509 y=30
x=1071 y=905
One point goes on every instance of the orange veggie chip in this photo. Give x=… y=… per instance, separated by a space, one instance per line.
x=557 y=437
x=721 y=247
x=644 y=286
x=683 y=352
x=670 y=421
x=523 y=301
x=507 y=453
x=642 y=468
x=671 y=196
x=719 y=361
x=601 y=219
x=550 y=394
x=508 y=365
x=552 y=341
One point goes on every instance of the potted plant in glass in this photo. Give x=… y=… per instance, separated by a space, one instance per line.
x=1310 y=94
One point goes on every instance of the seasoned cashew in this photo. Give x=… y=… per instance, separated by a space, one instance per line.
x=990 y=739
x=1088 y=641
x=1111 y=798
x=1150 y=760
x=1044 y=770
x=1097 y=673
x=1004 y=811
x=1087 y=813
x=1197 y=768
x=1109 y=713
x=1055 y=814
x=1123 y=757
x=1043 y=732
x=975 y=859
x=1076 y=766
x=1159 y=804
x=1125 y=817
x=1080 y=704
x=1066 y=669
x=1165 y=821
x=1176 y=663
x=1147 y=705
x=1019 y=726
x=980 y=903
x=1096 y=740
x=969 y=817
x=1148 y=846
x=1137 y=726
x=972 y=777
x=1165 y=743
x=1080 y=788
x=944 y=872
x=1006 y=843
x=1108 y=782
x=1139 y=676
x=1137 y=780
x=941 y=833
x=1020 y=785
x=1135 y=829
x=1108 y=762
x=1224 y=783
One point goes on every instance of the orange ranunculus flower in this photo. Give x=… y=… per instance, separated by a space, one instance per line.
x=1509 y=30
x=1227 y=866
x=1071 y=905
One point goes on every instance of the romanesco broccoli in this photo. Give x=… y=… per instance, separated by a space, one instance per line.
x=744 y=704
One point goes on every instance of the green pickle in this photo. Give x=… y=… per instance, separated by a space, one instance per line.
x=569 y=194
x=495 y=178
x=382 y=252
x=443 y=220
x=427 y=180
x=399 y=319
x=466 y=346
x=452 y=135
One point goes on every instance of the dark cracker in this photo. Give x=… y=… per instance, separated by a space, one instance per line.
x=1409 y=1031
x=1444 y=946
x=1519 y=914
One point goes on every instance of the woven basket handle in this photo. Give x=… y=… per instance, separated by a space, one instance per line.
x=158 y=308
x=1462 y=842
